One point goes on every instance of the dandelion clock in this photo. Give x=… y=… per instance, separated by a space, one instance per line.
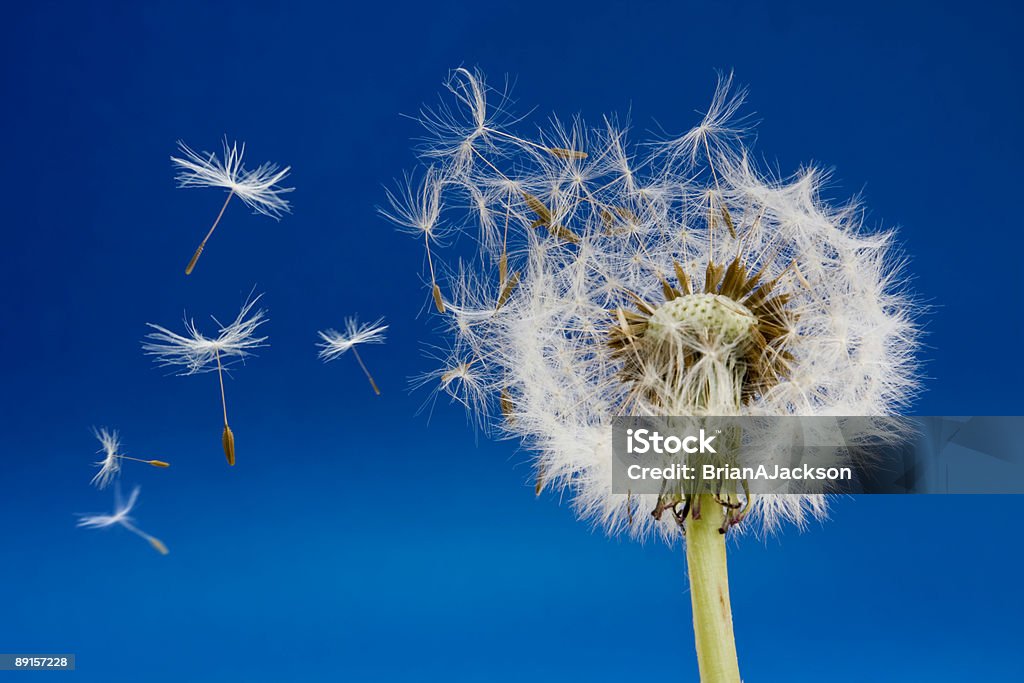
x=675 y=278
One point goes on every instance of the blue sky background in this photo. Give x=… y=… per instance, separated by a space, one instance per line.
x=308 y=561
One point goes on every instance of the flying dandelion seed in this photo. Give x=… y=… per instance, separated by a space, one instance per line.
x=195 y=353
x=121 y=518
x=458 y=376
x=258 y=188
x=337 y=343
x=110 y=465
x=418 y=210
x=672 y=279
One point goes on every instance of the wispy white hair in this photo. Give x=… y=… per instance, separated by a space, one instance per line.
x=195 y=353
x=110 y=464
x=337 y=343
x=258 y=187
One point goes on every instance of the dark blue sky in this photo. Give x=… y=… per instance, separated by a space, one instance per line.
x=311 y=558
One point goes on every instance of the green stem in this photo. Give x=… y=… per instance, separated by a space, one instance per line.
x=709 y=593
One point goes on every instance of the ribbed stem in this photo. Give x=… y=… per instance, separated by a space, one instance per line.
x=709 y=593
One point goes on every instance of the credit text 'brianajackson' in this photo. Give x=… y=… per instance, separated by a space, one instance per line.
x=726 y=472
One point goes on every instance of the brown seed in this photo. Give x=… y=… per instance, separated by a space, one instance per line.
x=195 y=257
x=438 y=301
x=728 y=221
x=712 y=277
x=506 y=291
x=667 y=290
x=228 y=441
x=735 y=277
x=507 y=406
x=537 y=206
x=608 y=221
x=158 y=544
x=641 y=304
x=684 y=280
x=630 y=219
x=563 y=153
x=564 y=233
x=158 y=463
x=450 y=375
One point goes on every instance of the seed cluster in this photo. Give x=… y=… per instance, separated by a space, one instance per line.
x=738 y=319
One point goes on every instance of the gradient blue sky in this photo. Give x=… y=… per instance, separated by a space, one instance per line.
x=309 y=560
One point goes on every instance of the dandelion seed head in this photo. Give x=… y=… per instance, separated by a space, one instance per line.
x=672 y=279
x=259 y=187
